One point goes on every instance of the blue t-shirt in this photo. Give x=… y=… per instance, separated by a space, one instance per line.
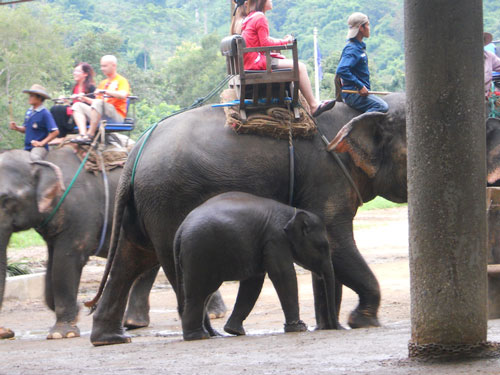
x=38 y=124
x=353 y=66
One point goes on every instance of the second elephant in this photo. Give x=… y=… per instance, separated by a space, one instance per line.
x=239 y=236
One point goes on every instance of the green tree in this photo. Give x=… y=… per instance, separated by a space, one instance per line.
x=194 y=70
x=25 y=60
x=92 y=46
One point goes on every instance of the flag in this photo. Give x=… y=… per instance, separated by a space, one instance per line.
x=320 y=69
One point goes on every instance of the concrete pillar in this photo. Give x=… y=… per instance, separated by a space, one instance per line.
x=446 y=177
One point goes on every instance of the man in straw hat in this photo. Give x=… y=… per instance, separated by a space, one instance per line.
x=353 y=67
x=491 y=64
x=39 y=126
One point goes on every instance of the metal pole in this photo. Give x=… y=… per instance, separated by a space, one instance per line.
x=446 y=178
x=316 y=68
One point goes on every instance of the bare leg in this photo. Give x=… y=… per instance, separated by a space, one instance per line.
x=304 y=82
x=95 y=117
x=81 y=122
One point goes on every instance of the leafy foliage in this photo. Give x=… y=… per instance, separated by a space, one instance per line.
x=17 y=269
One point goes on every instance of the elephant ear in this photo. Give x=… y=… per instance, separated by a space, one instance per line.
x=493 y=150
x=298 y=227
x=361 y=138
x=49 y=184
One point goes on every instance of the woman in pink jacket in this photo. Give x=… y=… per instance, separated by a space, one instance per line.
x=255 y=31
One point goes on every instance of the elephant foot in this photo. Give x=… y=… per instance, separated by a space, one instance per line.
x=362 y=319
x=134 y=323
x=6 y=333
x=213 y=315
x=197 y=334
x=109 y=339
x=298 y=326
x=63 y=331
x=216 y=307
x=234 y=328
x=213 y=333
x=135 y=318
x=327 y=327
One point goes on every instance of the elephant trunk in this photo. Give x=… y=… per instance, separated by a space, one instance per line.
x=329 y=280
x=4 y=241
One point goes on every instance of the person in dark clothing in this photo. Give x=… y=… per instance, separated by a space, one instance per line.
x=83 y=74
x=353 y=68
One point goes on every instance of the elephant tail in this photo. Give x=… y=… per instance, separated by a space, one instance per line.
x=178 y=271
x=123 y=193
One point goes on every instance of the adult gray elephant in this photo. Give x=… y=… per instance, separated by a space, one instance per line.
x=28 y=193
x=192 y=157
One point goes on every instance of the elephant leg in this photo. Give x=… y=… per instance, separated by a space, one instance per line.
x=352 y=271
x=248 y=293
x=285 y=283
x=49 y=295
x=65 y=273
x=206 y=320
x=129 y=263
x=137 y=314
x=216 y=307
x=338 y=296
x=197 y=291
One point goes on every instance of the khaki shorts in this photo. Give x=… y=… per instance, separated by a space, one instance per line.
x=98 y=105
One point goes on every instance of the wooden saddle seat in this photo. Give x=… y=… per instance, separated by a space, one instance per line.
x=261 y=88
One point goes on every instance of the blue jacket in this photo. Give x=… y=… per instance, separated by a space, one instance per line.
x=38 y=124
x=353 y=66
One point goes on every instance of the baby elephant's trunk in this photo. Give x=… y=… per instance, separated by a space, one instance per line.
x=329 y=280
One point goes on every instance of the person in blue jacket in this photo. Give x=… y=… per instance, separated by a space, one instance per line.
x=39 y=126
x=353 y=68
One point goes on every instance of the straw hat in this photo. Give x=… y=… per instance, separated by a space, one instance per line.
x=487 y=38
x=38 y=90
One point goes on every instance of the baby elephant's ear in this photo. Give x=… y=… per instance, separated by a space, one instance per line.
x=298 y=225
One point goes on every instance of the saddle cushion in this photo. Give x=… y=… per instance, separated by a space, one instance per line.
x=274 y=121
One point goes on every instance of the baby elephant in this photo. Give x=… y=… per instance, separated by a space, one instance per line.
x=238 y=236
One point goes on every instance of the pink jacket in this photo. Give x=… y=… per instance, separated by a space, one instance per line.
x=255 y=31
x=491 y=64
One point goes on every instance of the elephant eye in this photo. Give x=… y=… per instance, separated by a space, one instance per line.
x=7 y=203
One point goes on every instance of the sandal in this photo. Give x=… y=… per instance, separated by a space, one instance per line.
x=82 y=139
x=324 y=106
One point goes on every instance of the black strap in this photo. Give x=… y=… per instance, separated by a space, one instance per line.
x=342 y=166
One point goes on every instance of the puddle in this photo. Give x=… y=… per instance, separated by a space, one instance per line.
x=167 y=333
x=162 y=311
x=31 y=335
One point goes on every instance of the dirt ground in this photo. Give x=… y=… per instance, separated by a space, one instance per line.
x=381 y=235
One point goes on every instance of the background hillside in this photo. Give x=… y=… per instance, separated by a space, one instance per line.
x=169 y=49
